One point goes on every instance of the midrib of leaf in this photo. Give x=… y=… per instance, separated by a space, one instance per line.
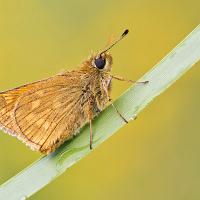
x=165 y=73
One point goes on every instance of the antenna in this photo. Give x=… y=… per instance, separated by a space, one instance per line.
x=116 y=41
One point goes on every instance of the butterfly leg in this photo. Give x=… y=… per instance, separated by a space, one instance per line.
x=117 y=111
x=131 y=81
x=91 y=135
x=90 y=117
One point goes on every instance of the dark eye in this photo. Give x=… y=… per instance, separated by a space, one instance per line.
x=100 y=63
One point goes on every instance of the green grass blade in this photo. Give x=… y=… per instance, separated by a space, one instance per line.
x=43 y=171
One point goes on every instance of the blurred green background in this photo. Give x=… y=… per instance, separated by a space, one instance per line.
x=155 y=157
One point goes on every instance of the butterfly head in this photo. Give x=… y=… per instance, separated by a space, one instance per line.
x=102 y=61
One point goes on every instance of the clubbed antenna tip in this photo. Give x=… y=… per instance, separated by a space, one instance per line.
x=125 y=32
x=116 y=41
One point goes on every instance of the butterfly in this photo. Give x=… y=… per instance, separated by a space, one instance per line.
x=46 y=113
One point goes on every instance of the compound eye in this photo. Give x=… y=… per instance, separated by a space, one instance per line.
x=100 y=62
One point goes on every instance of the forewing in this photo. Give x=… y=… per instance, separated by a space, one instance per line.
x=38 y=113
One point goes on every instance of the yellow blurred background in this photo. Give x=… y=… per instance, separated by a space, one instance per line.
x=155 y=157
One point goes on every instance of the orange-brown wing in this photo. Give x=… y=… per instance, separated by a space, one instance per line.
x=42 y=114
